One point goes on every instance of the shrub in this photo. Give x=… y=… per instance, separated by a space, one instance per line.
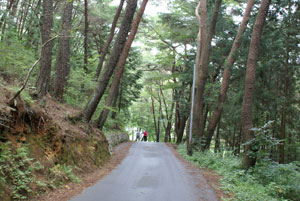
x=266 y=182
x=16 y=170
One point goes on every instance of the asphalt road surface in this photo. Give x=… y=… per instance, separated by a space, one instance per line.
x=150 y=172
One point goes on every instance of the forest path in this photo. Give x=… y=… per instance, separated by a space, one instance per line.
x=150 y=172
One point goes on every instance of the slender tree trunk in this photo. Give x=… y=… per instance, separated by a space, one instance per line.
x=109 y=39
x=153 y=112
x=20 y=16
x=113 y=92
x=112 y=61
x=114 y=113
x=202 y=34
x=233 y=138
x=217 y=139
x=169 y=114
x=4 y=15
x=12 y=7
x=158 y=120
x=62 y=66
x=283 y=110
x=246 y=116
x=202 y=68
x=86 y=31
x=43 y=80
x=215 y=118
x=32 y=25
x=24 y=19
x=181 y=126
x=121 y=65
x=181 y=116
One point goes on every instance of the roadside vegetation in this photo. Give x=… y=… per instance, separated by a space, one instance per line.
x=267 y=181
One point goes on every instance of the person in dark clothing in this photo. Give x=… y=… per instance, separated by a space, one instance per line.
x=145 y=136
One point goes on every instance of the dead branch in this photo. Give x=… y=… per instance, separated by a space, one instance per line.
x=29 y=72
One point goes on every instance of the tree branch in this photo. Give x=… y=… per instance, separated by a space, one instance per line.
x=29 y=72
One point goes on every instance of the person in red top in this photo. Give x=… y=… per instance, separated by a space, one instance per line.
x=145 y=136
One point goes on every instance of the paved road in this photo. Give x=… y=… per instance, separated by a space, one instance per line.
x=150 y=172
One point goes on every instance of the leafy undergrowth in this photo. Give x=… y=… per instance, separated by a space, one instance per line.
x=41 y=150
x=19 y=174
x=268 y=181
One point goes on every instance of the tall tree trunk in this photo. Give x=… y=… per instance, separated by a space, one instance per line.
x=202 y=67
x=43 y=80
x=109 y=39
x=112 y=94
x=114 y=113
x=112 y=61
x=246 y=116
x=215 y=118
x=233 y=138
x=181 y=116
x=121 y=65
x=21 y=29
x=12 y=7
x=159 y=119
x=202 y=34
x=4 y=15
x=62 y=66
x=20 y=16
x=217 y=139
x=86 y=31
x=181 y=126
x=284 y=108
x=169 y=116
x=33 y=25
x=153 y=112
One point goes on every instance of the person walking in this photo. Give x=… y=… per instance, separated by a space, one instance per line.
x=145 y=136
x=137 y=136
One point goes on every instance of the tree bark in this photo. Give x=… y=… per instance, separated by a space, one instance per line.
x=153 y=112
x=62 y=66
x=109 y=39
x=22 y=25
x=4 y=15
x=86 y=31
x=180 y=127
x=43 y=80
x=169 y=114
x=246 y=116
x=202 y=34
x=217 y=139
x=12 y=7
x=113 y=92
x=121 y=65
x=284 y=108
x=202 y=67
x=112 y=61
x=215 y=118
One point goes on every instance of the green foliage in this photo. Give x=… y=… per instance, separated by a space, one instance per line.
x=267 y=181
x=25 y=94
x=263 y=138
x=64 y=173
x=80 y=86
x=16 y=170
x=15 y=59
x=283 y=178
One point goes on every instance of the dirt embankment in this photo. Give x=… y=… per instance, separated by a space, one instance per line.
x=70 y=190
x=41 y=150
